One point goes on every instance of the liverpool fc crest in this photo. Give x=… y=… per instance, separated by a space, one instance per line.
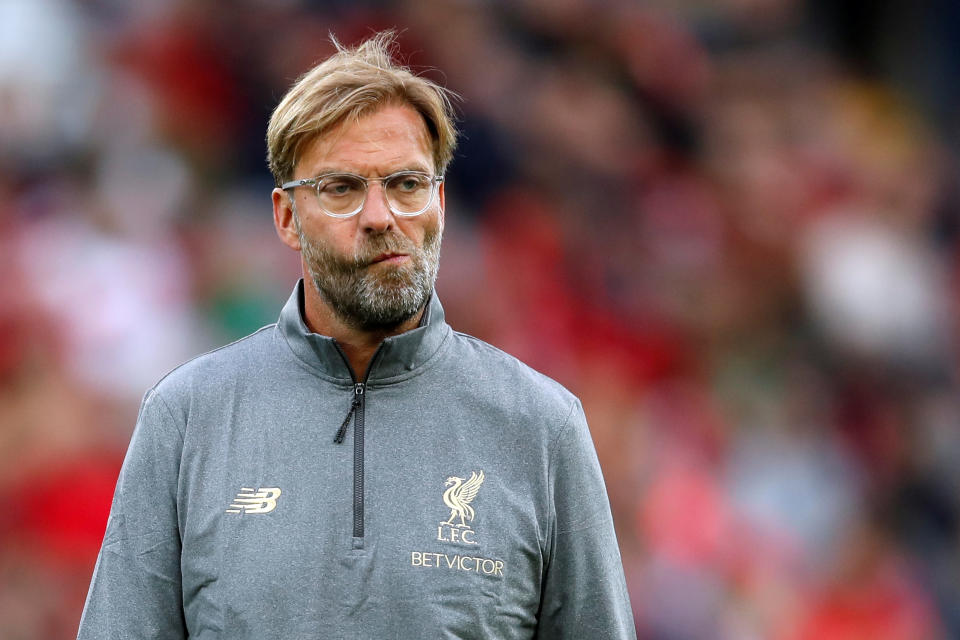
x=458 y=496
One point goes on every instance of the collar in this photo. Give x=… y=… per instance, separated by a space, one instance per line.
x=398 y=356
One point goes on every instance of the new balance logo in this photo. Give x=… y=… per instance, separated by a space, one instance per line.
x=255 y=501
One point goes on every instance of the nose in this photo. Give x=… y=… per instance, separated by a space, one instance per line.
x=375 y=216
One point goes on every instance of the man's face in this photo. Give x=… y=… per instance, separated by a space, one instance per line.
x=374 y=270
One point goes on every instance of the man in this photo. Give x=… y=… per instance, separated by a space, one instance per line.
x=359 y=470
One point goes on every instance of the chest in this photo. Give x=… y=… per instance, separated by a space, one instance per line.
x=425 y=511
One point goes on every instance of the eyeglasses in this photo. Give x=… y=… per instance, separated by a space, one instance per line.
x=341 y=195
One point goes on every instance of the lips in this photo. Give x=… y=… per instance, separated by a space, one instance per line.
x=389 y=257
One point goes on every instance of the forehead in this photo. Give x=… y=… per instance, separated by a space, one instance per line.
x=390 y=138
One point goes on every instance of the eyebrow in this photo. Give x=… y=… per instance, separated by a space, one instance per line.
x=327 y=170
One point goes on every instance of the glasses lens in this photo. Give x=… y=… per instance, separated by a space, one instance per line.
x=341 y=193
x=409 y=192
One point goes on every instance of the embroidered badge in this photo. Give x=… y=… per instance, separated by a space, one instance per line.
x=263 y=500
x=458 y=497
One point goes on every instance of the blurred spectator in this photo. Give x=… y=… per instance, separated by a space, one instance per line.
x=730 y=227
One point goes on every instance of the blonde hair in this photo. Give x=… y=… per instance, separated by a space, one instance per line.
x=349 y=84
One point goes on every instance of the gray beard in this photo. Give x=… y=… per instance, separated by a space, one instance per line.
x=368 y=297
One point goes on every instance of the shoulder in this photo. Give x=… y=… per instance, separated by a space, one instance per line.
x=497 y=365
x=218 y=367
x=488 y=371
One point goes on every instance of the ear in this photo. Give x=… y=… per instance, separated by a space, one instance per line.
x=283 y=219
x=443 y=201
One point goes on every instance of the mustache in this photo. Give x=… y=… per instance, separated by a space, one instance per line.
x=374 y=246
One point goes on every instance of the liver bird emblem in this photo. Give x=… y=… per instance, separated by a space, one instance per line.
x=459 y=496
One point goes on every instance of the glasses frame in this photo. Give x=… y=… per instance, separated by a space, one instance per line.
x=317 y=181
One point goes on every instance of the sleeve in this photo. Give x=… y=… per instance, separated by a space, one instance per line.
x=584 y=593
x=135 y=591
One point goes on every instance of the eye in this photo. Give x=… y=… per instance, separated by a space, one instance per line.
x=339 y=186
x=408 y=182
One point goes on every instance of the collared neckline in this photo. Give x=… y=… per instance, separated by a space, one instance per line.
x=398 y=357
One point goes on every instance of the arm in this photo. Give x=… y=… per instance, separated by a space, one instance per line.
x=135 y=591
x=584 y=594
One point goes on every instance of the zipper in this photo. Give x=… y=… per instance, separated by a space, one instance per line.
x=356 y=411
x=358 y=390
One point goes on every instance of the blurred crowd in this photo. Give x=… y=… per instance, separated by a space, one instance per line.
x=731 y=227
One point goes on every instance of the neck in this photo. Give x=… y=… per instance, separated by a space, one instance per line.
x=358 y=345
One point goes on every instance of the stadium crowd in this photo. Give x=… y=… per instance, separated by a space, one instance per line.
x=730 y=227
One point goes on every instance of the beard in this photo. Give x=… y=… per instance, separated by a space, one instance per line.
x=369 y=297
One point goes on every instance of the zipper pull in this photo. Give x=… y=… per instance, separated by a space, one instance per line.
x=354 y=403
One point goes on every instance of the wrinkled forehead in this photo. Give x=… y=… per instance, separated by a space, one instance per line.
x=394 y=133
